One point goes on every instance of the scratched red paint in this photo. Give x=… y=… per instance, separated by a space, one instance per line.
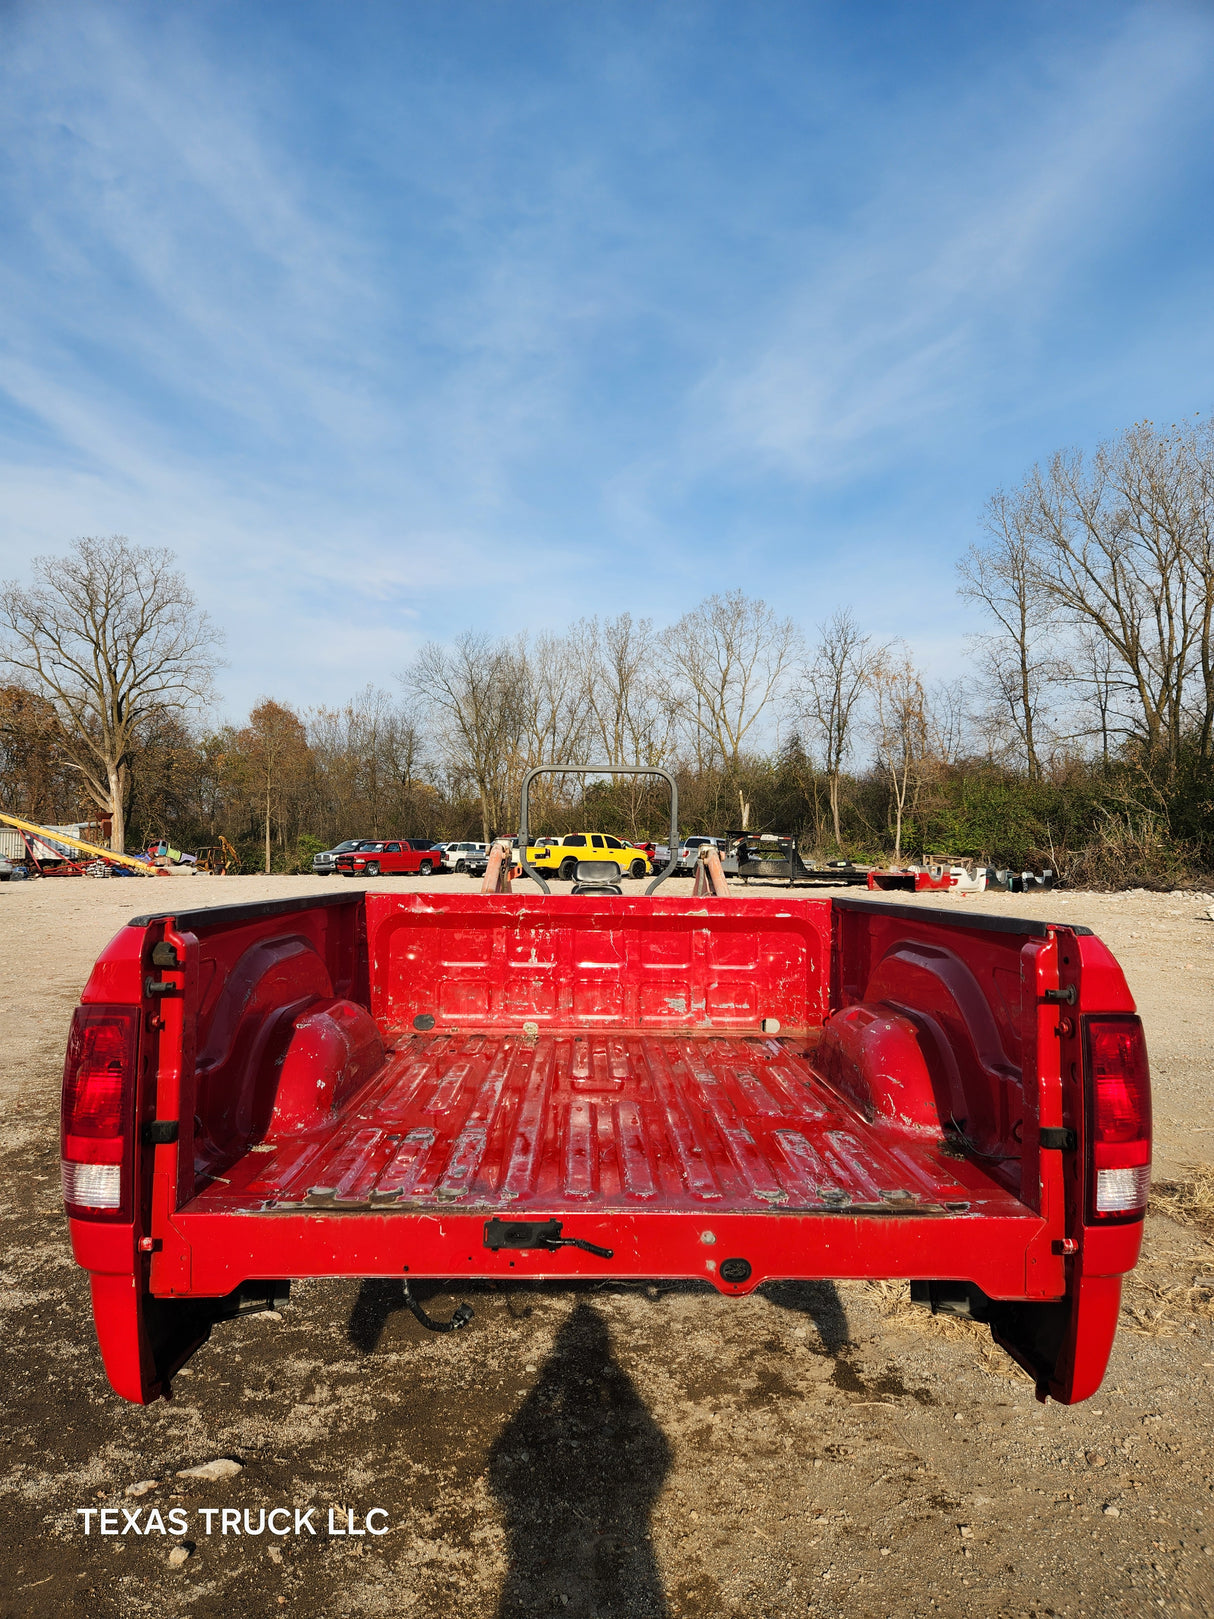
x=604 y=1122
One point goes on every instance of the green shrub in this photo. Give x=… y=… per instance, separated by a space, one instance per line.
x=298 y=861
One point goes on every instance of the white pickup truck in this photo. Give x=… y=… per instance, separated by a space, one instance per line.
x=469 y=857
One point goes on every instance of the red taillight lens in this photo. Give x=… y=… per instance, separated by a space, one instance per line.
x=1119 y=1119
x=97 y=1131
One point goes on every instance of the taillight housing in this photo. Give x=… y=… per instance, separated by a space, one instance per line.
x=97 y=1123
x=1118 y=1119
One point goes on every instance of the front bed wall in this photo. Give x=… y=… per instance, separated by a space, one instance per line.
x=498 y=961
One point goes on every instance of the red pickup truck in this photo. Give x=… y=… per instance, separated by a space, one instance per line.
x=511 y=1085
x=390 y=858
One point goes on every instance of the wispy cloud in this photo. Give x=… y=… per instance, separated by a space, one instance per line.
x=955 y=265
x=394 y=319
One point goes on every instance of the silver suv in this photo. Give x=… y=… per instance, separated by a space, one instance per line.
x=689 y=851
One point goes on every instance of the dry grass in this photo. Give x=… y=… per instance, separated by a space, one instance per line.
x=1190 y=1202
x=1163 y=1308
x=1157 y=1306
x=894 y=1301
x=1130 y=850
x=1166 y=1294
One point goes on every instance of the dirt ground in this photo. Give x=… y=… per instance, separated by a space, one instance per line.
x=658 y=1452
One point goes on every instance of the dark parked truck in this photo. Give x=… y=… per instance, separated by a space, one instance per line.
x=375 y=1084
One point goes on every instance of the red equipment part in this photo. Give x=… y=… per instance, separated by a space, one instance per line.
x=51 y=863
x=913 y=880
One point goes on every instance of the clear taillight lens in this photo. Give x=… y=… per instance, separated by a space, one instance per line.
x=97 y=1126
x=92 y=1186
x=1123 y=1191
x=1119 y=1119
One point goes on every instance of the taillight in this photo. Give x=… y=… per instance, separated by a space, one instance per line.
x=1119 y=1119
x=97 y=1126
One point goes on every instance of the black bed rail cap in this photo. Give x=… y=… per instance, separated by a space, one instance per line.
x=252 y=911
x=1027 y=926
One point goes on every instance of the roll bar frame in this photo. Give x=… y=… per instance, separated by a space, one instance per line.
x=600 y=770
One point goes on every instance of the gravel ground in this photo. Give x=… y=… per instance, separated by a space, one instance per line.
x=607 y=1450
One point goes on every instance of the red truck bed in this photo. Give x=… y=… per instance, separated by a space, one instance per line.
x=603 y=1124
x=732 y=1089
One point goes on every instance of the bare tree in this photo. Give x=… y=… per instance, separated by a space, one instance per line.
x=472 y=691
x=109 y=634
x=900 y=730
x=947 y=722
x=1018 y=659
x=631 y=719
x=1124 y=548
x=1095 y=676
x=1199 y=557
x=555 y=700
x=369 y=754
x=553 y=703
x=724 y=663
x=833 y=688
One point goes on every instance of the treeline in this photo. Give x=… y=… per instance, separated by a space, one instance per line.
x=279 y=787
x=1081 y=737
x=366 y=769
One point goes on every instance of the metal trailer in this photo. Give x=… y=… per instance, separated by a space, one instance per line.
x=785 y=862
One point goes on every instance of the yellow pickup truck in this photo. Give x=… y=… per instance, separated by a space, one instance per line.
x=559 y=856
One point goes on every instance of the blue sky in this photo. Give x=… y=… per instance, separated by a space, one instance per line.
x=394 y=318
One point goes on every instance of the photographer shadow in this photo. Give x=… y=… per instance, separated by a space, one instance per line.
x=577 y=1471
x=820 y=1301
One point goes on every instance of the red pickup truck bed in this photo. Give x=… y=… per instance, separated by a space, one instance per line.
x=731 y=1089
